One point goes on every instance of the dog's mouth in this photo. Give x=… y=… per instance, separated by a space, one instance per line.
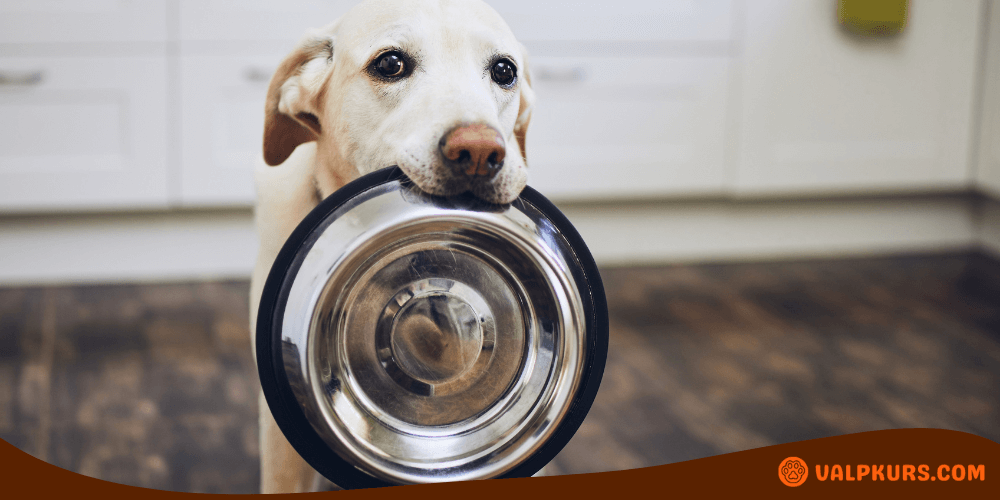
x=449 y=181
x=437 y=187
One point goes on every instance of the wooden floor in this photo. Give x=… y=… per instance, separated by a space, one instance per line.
x=153 y=385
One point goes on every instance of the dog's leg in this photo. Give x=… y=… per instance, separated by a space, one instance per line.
x=282 y=470
x=285 y=195
x=321 y=483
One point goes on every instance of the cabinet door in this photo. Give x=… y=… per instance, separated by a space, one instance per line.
x=627 y=126
x=204 y=20
x=222 y=125
x=47 y=21
x=85 y=132
x=621 y=20
x=825 y=111
x=631 y=95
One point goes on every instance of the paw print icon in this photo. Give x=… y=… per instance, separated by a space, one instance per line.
x=793 y=471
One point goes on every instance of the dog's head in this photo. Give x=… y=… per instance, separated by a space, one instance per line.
x=438 y=87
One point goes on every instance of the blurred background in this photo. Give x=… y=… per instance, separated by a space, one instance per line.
x=795 y=205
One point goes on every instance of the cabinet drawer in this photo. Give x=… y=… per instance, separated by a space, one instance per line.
x=256 y=19
x=45 y=21
x=627 y=127
x=82 y=133
x=621 y=20
x=826 y=112
x=222 y=126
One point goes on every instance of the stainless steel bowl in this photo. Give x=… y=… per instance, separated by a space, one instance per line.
x=405 y=338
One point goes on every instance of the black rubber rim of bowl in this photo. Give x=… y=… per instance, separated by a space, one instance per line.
x=274 y=382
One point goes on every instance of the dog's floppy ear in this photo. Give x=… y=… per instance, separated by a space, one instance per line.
x=290 y=112
x=527 y=103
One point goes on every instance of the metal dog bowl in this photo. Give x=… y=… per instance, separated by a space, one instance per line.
x=405 y=338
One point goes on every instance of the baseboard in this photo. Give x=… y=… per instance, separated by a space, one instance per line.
x=748 y=230
x=186 y=245
x=120 y=247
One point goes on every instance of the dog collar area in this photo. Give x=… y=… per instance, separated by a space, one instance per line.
x=406 y=338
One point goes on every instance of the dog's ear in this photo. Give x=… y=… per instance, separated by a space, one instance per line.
x=527 y=104
x=291 y=110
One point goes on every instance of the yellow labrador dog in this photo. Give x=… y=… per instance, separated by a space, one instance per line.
x=438 y=87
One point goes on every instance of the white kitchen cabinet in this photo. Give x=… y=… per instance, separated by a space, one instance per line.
x=83 y=133
x=988 y=164
x=211 y=20
x=636 y=98
x=825 y=111
x=629 y=103
x=599 y=131
x=655 y=121
x=222 y=125
x=223 y=84
x=530 y=20
x=620 y=20
x=52 y=21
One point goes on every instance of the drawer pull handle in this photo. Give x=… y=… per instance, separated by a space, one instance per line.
x=21 y=78
x=257 y=75
x=560 y=75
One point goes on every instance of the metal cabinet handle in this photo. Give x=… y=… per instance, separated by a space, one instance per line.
x=560 y=75
x=257 y=75
x=21 y=78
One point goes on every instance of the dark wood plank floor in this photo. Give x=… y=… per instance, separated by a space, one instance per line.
x=153 y=385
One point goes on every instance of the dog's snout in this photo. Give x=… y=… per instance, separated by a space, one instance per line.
x=474 y=150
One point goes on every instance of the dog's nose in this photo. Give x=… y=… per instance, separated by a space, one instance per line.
x=475 y=150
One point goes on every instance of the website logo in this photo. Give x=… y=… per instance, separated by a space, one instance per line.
x=793 y=471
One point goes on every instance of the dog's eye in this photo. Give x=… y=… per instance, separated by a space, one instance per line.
x=391 y=65
x=503 y=72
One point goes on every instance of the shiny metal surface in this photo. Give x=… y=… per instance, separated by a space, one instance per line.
x=431 y=339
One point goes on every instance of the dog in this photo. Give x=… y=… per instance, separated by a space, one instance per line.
x=439 y=88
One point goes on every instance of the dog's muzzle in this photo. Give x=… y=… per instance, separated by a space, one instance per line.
x=405 y=338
